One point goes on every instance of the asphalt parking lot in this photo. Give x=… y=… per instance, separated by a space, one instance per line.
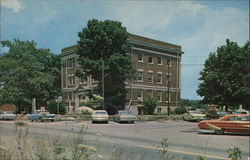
x=143 y=137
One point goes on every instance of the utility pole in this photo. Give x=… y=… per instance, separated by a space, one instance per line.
x=168 y=83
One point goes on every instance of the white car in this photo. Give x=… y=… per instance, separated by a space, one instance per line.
x=194 y=116
x=7 y=115
x=100 y=116
x=124 y=116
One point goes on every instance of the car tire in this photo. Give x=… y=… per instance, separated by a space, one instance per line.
x=219 y=132
x=52 y=120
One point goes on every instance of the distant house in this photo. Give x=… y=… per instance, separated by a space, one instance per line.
x=158 y=75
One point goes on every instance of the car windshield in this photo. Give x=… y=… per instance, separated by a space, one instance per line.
x=125 y=112
x=7 y=112
x=101 y=113
x=238 y=118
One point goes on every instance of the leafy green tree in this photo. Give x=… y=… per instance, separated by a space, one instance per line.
x=52 y=107
x=149 y=106
x=27 y=72
x=225 y=78
x=106 y=42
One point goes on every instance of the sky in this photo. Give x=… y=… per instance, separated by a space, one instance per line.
x=198 y=26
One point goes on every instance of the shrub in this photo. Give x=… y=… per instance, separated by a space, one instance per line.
x=52 y=107
x=149 y=106
x=180 y=110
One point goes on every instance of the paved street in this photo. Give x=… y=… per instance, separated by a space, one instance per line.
x=142 y=138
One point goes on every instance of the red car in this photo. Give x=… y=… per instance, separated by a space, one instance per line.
x=234 y=123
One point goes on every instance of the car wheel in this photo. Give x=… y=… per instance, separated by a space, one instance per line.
x=132 y=122
x=52 y=120
x=219 y=132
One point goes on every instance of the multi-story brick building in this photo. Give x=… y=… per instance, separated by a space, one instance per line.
x=158 y=75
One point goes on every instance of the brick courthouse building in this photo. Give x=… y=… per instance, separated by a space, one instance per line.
x=158 y=75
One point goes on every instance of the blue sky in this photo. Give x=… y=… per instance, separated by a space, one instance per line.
x=198 y=26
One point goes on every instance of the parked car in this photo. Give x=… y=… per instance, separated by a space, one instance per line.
x=235 y=123
x=100 y=116
x=194 y=115
x=7 y=115
x=124 y=116
x=41 y=115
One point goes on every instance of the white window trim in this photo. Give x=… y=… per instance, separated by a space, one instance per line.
x=170 y=62
x=140 y=98
x=159 y=73
x=152 y=76
x=169 y=97
x=152 y=93
x=141 y=71
x=141 y=55
x=160 y=96
x=161 y=60
x=152 y=60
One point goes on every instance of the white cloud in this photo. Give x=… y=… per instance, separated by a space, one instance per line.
x=193 y=7
x=15 y=5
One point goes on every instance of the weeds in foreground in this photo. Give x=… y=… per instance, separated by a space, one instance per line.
x=54 y=148
x=234 y=153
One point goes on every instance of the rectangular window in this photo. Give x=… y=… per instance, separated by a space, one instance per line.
x=150 y=77
x=71 y=79
x=140 y=95
x=169 y=62
x=71 y=96
x=140 y=57
x=168 y=98
x=150 y=59
x=159 y=78
x=140 y=76
x=159 y=60
x=159 y=96
x=158 y=110
x=150 y=94
x=71 y=62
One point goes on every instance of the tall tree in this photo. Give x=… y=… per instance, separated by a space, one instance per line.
x=226 y=76
x=27 y=72
x=107 y=42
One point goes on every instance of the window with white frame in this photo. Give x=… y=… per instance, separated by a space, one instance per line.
x=140 y=75
x=140 y=95
x=159 y=78
x=140 y=57
x=150 y=77
x=150 y=59
x=159 y=96
x=168 y=98
x=169 y=62
x=71 y=96
x=71 y=62
x=71 y=79
x=150 y=93
x=159 y=60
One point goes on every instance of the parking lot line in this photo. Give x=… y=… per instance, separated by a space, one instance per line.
x=184 y=152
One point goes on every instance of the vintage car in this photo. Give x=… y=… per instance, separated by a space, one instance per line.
x=7 y=115
x=194 y=115
x=100 y=116
x=41 y=115
x=235 y=123
x=124 y=116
